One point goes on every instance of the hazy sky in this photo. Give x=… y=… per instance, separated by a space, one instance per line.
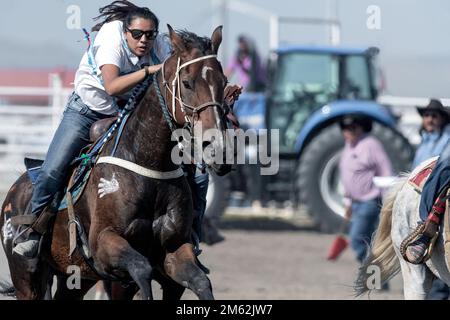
x=414 y=37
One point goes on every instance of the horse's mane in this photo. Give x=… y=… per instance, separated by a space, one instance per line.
x=191 y=40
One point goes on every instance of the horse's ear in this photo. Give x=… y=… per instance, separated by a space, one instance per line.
x=177 y=43
x=216 y=39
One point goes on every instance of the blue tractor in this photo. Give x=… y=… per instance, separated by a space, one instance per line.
x=310 y=89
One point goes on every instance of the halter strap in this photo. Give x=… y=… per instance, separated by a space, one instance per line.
x=176 y=94
x=196 y=60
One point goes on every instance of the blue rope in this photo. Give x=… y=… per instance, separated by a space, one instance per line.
x=129 y=107
x=162 y=103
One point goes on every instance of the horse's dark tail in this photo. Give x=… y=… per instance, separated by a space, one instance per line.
x=7 y=289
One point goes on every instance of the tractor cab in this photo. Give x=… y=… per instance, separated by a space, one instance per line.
x=305 y=78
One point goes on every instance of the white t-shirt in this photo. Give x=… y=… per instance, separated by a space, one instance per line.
x=109 y=47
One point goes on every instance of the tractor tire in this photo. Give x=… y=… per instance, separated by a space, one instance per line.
x=318 y=182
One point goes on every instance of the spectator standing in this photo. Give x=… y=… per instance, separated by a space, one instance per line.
x=435 y=133
x=247 y=66
x=362 y=159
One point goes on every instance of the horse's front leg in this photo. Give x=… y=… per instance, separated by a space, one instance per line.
x=113 y=254
x=417 y=280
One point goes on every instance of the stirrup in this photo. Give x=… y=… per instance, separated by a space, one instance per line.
x=414 y=236
x=34 y=243
x=21 y=233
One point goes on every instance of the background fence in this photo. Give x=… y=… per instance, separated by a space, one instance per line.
x=26 y=130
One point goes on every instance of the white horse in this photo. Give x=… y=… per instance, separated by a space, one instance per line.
x=399 y=216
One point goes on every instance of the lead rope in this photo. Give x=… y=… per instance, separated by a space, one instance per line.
x=162 y=103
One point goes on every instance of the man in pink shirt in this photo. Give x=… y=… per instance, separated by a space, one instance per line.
x=363 y=158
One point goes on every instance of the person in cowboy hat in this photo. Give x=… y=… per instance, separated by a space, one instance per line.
x=362 y=159
x=431 y=203
x=435 y=131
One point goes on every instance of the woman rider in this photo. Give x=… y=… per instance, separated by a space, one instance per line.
x=119 y=59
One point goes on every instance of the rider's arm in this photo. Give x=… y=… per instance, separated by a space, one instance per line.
x=109 y=57
x=116 y=85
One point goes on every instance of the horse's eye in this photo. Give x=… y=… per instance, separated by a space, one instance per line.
x=187 y=84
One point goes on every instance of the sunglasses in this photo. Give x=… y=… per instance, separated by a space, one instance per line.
x=349 y=127
x=137 y=34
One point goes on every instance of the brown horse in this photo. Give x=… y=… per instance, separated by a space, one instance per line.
x=142 y=230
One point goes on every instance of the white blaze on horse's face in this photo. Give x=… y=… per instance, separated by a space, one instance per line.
x=106 y=187
x=204 y=71
x=204 y=76
x=211 y=88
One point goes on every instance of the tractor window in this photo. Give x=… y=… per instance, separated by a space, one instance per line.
x=357 y=79
x=303 y=74
x=303 y=83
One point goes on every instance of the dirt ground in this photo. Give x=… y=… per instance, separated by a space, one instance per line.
x=274 y=259
x=264 y=259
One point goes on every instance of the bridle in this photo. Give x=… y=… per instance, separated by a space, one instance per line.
x=176 y=87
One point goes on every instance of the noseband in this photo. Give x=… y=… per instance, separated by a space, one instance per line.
x=176 y=82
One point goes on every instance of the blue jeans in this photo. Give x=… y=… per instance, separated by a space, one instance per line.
x=438 y=180
x=70 y=137
x=439 y=290
x=198 y=181
x=364 y=221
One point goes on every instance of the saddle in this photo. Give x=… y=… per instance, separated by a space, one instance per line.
x=97 y=130
x=66 y=198
x=100 y=127
x=417 y=181
x=420 y=176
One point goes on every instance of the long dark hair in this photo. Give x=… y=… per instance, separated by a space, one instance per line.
x=124 y=11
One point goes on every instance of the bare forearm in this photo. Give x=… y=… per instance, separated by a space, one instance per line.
x=123 y=84
x=117 y=85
